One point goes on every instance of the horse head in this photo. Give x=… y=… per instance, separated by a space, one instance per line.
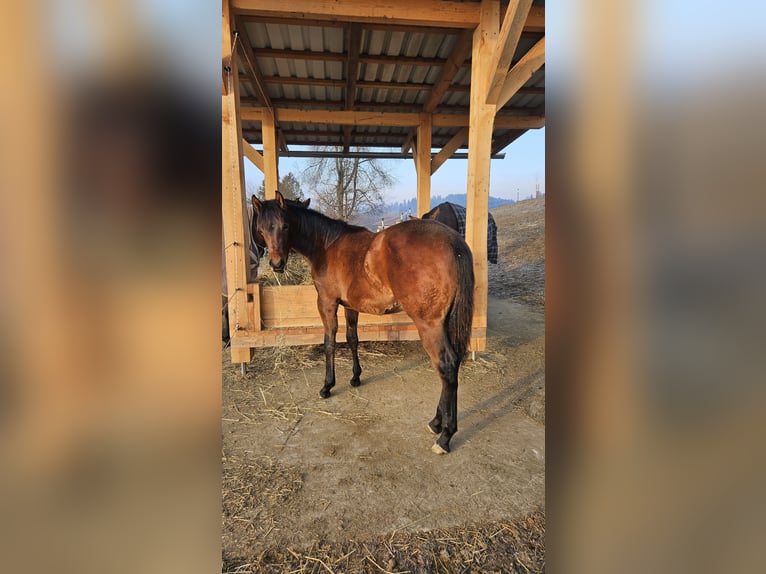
x=272 y=226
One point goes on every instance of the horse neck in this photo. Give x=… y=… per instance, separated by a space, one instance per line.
x=314 y=233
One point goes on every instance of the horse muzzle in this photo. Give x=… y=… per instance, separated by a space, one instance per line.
x=279 y=266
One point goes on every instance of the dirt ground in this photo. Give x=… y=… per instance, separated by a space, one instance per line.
x=349 y=484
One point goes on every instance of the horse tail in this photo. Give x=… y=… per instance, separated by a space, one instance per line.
x=460 y=316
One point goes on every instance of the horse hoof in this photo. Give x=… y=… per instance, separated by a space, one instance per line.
x=438 y=450
x=355 y=382
x=324 y=393
x=431 y=430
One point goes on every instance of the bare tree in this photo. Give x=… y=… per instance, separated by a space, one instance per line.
x=342 y=187
x=289 y=186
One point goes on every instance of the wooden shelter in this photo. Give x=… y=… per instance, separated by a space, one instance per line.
x=400 y=78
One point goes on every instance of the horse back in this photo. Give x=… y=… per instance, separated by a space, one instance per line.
x=417 y=260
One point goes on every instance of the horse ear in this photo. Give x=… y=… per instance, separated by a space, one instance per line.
x=306 y=203
x=280 y=200
x=256 y=204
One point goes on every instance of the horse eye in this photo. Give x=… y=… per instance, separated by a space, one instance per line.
x=286 y=226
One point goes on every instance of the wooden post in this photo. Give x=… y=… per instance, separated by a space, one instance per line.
x=236 y=240
x=423 y=164
x=479 y=151
x=270 y=157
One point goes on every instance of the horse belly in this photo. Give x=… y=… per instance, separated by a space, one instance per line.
x=373 y=302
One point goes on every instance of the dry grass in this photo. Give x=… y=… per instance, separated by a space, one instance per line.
x=488 y=547
x=520 y=271
x=297 y=272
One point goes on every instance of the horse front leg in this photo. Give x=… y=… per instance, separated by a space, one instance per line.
x=352 y=320
x=329 y=313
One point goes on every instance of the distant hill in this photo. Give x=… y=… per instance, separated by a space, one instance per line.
x=392 y=212
x=456 y=198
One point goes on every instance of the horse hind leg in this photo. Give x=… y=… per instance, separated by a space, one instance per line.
x=352 y=320
x=446 y=363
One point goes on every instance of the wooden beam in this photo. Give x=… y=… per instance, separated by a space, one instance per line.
x=251 y=69
x=412 y=13
x=252 y=154
x=352 y=70
x=363 y=118
x=323 y=56
x=535 y=23
x=449 y=148
x=503 y=141
x=233 y=210
x=423 y=163
x=371 y=154
x=329 y=83
x=382 y=59
x=333 y=139
x=510 y=32
x=449 y=70
x=482 y=116
x=254 y=74
x=521 y=72
x=457 y=57
x=270 y=156
x=400 y=106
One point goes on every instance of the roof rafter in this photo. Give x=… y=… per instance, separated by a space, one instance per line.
x=522 y=71
x=449 y=149
x=451 y=67
x=352 y=69
x=253 y=72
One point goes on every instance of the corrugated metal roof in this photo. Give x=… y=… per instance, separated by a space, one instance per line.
x=304 y=65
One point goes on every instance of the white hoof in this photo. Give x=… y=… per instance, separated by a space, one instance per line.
x=437 y=449
x=430 y=429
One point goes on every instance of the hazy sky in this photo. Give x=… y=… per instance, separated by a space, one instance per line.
x=524 y=161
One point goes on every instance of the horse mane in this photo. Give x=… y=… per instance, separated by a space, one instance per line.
x=318 y=225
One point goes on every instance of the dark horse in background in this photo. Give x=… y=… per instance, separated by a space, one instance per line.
x=419 y=266
x=453 y=216
x=257 y=249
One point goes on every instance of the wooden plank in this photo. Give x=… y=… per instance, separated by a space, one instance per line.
x=522 y=71
x=375 y=118
x=315 y=336
x=254 y=305
x=234 y=213
x=423 y=164
x=411 y=13
x=479 y=143
x=270 y=158
x=510 y=32
x=449 y=148
x=252 y=154
x=296 y=306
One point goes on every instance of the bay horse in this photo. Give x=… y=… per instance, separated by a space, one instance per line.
x=257 y=250
x=419 y=266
